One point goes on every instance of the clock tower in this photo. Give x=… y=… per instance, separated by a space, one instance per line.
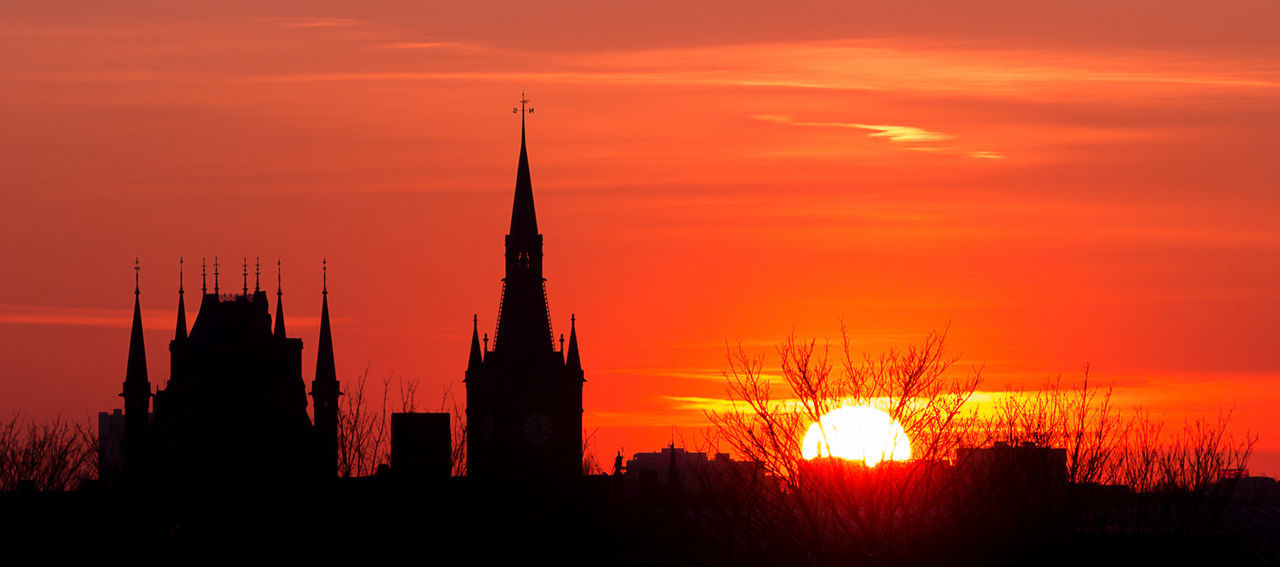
x=524 y=396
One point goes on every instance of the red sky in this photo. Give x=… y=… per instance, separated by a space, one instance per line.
x=1061 y=182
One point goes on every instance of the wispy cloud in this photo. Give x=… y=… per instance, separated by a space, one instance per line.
x=891 y=132
x=302 y=22
x=451 y=45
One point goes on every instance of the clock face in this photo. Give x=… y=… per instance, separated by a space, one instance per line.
x=537 y=428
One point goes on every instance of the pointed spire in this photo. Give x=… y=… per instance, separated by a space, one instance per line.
x=204 y=279
x=279 y=330
x=325 y=370
x=523 y=219
x=257 y=274
x=245 y=265
x=477 y=357
x=325 y=389
x=215 y=275
x=136 y=370
x=180 y=334
x=572 y=359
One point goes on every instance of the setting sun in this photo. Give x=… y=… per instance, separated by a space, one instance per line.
x=857 y=433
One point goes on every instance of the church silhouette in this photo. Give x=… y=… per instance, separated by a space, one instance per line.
x=235 y=404
x=524 y=397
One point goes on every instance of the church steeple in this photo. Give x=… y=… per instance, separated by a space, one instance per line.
x=180 y=334
x=279 y=329
x=524 y=322
x=524 y=222
x=325 y=370
x=136 y=370
x=524 y=404
x=137 y=389
x=325 y=388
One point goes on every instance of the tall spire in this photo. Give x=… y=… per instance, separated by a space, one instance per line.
x=325 y=369
x=572 y=360
x=215 y=275
x=180 y=333
x=136 y=370
x=325 y=389
x=204 y=278
x=245 y=265
x=257 y=274
x=524 y=324
x=136 y=390
x=279 y=330
x=523 y=220
x=476 y=359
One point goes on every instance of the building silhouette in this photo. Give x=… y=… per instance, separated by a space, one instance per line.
x=235 y=404
x=524 y=397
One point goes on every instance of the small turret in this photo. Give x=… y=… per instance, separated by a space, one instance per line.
x=180 y=333
x=278 y=332
x=476 y=360
x=572 y=360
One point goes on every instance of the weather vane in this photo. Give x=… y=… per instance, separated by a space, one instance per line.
x=523 y=101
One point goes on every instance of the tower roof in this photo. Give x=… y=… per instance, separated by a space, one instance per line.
x=136 y=370
x=325 y=369
x=524 y=323
x=524 y=221
x=180 y=333
x=476 y=360
x=572 y=359
x=279 y=330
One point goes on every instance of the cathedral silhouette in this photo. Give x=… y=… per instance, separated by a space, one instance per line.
x=524 y=397
x=235 y=405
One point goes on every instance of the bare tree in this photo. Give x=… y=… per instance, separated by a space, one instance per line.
x=590 y=464
x=363 y=441
x=457 y=431
x=833 y=509
x=54 y=455
x=836 y=511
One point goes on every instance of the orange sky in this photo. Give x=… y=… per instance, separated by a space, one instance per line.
x=1062 y=182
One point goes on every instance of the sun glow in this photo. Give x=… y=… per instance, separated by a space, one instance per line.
x=857 y=433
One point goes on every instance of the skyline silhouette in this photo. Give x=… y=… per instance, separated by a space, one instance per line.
x=1062 y=188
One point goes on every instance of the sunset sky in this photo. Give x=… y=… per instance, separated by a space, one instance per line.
x=1062 y=183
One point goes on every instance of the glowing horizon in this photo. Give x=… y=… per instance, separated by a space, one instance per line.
x=1058 y=192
